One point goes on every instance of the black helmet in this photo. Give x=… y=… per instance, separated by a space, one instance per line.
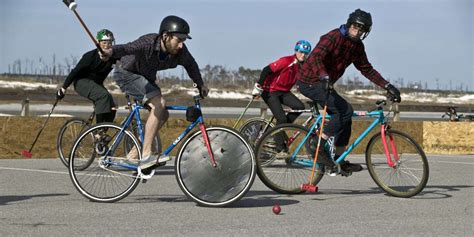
x=175 y=25
x=362 y=18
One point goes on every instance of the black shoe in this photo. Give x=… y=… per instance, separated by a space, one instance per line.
x=346 y=166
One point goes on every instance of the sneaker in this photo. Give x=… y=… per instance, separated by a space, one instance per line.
x=282 y=155
x=152 y=160
x=346 y=166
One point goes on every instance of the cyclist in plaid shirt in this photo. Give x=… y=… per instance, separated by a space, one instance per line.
x=335 y=51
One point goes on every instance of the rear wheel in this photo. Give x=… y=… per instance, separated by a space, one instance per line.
x=286 y=171
x=98 y=167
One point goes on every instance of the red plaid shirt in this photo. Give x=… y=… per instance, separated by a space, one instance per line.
x=332 y=55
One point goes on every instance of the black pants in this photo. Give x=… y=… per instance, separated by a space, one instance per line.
x=275 y=100
x=100 y=96
x=341 y=112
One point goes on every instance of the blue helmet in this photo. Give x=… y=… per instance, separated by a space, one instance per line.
x=303 y=46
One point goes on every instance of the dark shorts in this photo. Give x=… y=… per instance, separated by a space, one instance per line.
x=97 y=93
x=135 y=85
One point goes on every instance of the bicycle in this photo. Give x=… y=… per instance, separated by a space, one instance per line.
x=71 y=129
x=453 y=115
x=253 y=128
x=215 y=166
x=395 y=161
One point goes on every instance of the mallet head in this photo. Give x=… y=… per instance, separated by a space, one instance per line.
x=71 y=4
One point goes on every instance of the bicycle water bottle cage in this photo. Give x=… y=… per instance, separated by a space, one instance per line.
x=192 y=114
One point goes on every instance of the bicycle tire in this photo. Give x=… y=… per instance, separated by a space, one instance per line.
x=66 y=137
x=252 y=129
x=412 y=162
x=216 y=186
x=283 y=174
x=103 y=180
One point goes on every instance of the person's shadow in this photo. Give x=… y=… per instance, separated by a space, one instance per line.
x=5 y=200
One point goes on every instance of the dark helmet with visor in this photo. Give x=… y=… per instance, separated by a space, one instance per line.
x=361 y=19
x=176 y=26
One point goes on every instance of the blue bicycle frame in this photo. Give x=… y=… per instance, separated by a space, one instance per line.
x=379 y=119
x=135 y=113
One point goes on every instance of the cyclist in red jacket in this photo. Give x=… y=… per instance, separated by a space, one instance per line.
x=334 y=52
x=275 y=83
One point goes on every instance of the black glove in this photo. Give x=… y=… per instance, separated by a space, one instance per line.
x=393 y=92
x=60 y=93
x=328 y=85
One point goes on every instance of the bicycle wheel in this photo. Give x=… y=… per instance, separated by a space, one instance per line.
x=410 y=173
x=66 y=137
x=284 y=171
x=106 y=178
x=221 y=185
x=253 y=129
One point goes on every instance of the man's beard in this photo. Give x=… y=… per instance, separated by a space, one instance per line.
x=170 y=50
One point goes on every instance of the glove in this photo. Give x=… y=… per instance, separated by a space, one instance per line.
x=328 y=85
x=257 y=90
x=203 y=91
x=393 y=93
x=60 y=93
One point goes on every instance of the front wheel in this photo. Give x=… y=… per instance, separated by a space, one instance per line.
x=66 y=137
x=410 y=172
x=223 y=184
x=254 y=128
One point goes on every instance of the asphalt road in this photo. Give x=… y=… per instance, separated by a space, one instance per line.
x=37 y=198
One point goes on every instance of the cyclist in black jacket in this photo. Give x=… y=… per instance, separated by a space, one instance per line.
x=88 y=77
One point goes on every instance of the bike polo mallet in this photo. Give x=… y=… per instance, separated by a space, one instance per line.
x=245 y=110
x=310 y=187
x=27 y=153
x=71 y=4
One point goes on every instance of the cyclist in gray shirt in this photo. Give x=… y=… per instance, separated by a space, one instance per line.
x=135 y=74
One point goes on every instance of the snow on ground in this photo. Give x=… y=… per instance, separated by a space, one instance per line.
x=25 y=85
x=357 y=95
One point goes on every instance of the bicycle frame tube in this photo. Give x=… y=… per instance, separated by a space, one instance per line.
x=125 y=124
x=385 y=147
x=202 y=127
x=378 y=120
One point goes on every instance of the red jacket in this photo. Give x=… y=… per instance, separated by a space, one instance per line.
x=283 y=76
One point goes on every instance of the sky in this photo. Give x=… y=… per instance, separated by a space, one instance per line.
x=427 y=41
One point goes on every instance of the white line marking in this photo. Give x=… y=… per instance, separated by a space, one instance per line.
x=450 y=162
x=41 y=171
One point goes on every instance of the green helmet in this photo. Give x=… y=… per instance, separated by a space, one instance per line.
x=105 y=35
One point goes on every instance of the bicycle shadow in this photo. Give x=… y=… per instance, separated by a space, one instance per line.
x=440 y=191
x=6 y=200
x=251 y=199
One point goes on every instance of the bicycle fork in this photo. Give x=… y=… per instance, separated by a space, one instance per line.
x=392 y=145
x=208 y=144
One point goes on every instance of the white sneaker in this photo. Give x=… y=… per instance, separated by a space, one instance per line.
x=152 y=160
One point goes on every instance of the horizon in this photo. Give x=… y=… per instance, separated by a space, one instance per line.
x=408 y=40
